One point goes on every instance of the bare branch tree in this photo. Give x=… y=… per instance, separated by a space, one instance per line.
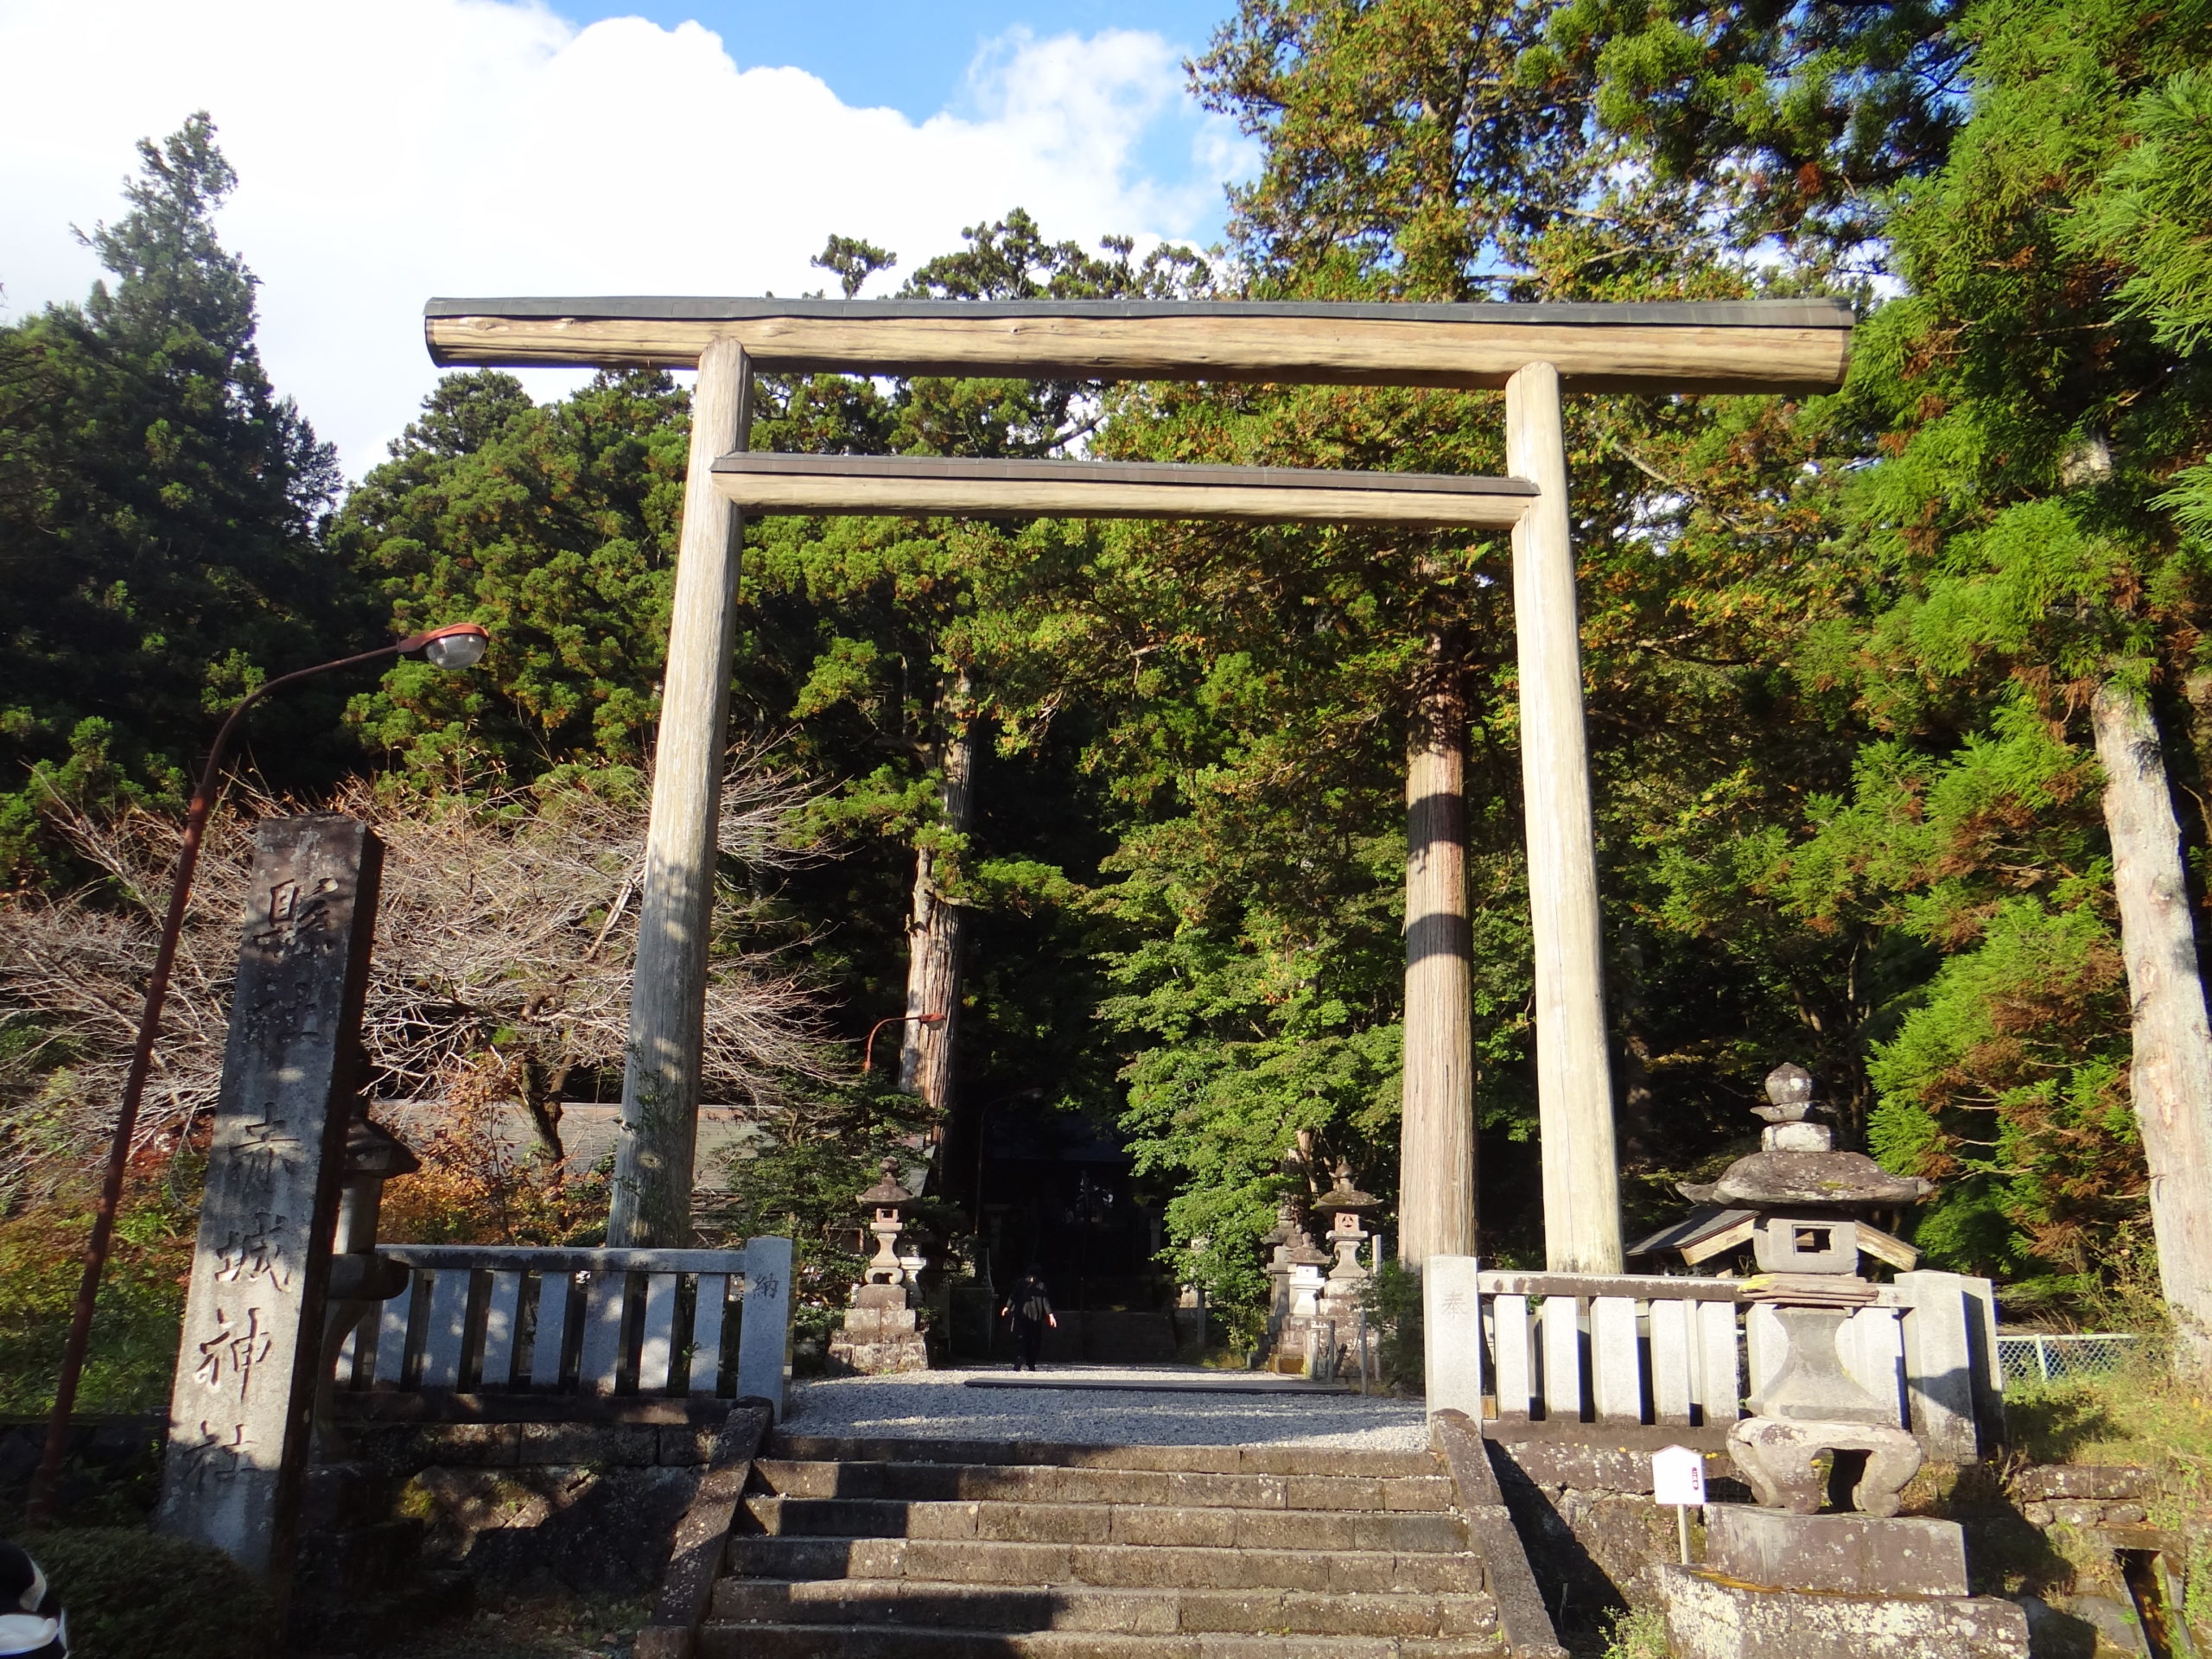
x=503 y=942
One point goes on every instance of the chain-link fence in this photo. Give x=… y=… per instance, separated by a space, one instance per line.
x=2035 y=1358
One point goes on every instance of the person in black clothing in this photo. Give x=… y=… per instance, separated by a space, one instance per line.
x=31 y=1622
x=1031 y=1310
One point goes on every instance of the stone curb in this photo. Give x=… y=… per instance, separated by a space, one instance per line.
x=695 y=1560
x=1523 y=1618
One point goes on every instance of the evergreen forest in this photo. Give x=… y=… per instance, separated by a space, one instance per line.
x=1858 y=666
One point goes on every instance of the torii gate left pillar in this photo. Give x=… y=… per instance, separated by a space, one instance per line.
x=652 y=1200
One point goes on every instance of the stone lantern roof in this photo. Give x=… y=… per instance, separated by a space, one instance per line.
x=1796 y=1172
x=886 y=1193
x=1797 y=1164
x=1345 y=1197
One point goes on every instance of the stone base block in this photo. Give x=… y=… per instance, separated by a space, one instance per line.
x=1709 y=1617
x=853 y=1355
x=1847 y=1555
x=879 y=1324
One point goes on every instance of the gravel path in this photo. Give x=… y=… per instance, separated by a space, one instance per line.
x=937 y=1405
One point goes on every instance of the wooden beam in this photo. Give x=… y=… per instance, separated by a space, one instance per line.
x=1752 y=345
x=657 y=1147
x=929 y=486
x=1574 y=1091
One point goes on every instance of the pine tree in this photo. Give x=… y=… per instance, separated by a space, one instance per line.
x=158 y=515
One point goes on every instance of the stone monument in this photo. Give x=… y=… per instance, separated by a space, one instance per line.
x=251 y=1359
x=1782 y=1580
x=882 y=1331
x=1343 y=1300
x=1294 y=1290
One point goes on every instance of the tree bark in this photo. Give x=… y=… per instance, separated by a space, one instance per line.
x=2172 y=1074
x=936 y=926
x=1436 y=1178
x=651 y=1199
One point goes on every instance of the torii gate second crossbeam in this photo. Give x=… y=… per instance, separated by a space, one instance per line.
x=1533 y=350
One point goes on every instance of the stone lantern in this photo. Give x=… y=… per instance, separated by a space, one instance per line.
x=882 y=1331
x=1780 y=1579
x=1801 y=1205
x=360 y=1278
x=1347 y=1208
x=1296 y=1286
x=1288 y=1225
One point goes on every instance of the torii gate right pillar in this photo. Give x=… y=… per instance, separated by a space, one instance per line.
x=1574 y=1090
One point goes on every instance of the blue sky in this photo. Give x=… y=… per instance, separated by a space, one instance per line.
x=916 y=57
x=910 y=55
x=391 y=150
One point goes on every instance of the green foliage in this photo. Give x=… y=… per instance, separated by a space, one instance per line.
x=1801 y=114
x=1637 y=1633
x=132 y=1594
x=1395 y=1312
x=2152 y=220
x=158 y=506
x=555 y=527
x=141 y=1310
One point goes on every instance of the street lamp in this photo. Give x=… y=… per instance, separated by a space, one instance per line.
x=868 y=1048
x=457 y=645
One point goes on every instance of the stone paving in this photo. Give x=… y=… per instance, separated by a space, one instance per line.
x=938 y=1405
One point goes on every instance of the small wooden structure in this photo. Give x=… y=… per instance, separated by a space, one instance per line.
x=1534 y=352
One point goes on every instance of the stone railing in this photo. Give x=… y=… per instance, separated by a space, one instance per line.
x=1628 y=1359
x=482 y=1318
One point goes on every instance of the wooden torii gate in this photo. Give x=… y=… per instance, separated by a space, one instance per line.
x=1534 y=352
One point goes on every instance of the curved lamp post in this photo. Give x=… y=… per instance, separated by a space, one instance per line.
x=868 y=1048
x=457 y=645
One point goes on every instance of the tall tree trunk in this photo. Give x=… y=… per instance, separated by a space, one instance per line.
x=1436 y=1179
x=2171 y=1075
x=936 y=926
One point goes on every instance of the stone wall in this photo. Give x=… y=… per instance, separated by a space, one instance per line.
x=590 y=1506
x=2059 y=1540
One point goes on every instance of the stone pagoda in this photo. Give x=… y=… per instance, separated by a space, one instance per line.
x=1343 y=1298
x=1781 y=1579
x=1295 y=1284
x=882 y=1328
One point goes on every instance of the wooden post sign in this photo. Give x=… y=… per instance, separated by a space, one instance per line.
x=246 y=1370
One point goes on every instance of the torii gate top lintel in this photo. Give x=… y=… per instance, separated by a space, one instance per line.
x=1741 y=346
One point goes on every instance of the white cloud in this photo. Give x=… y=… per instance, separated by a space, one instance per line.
x=394 y=150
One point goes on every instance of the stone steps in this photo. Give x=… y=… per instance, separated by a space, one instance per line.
x=1046 y=1454
x=972 y=1561
x=873 y=1549
x=1122 y=1610
x=887 y=1641
x=1170 y=1525
x=1429 y=1493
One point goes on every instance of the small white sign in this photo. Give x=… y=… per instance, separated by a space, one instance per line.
x=1678 y=1476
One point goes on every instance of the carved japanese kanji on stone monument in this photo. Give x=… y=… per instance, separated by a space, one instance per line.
x=249 y=1363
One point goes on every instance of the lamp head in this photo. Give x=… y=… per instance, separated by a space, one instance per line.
x=457 y=645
